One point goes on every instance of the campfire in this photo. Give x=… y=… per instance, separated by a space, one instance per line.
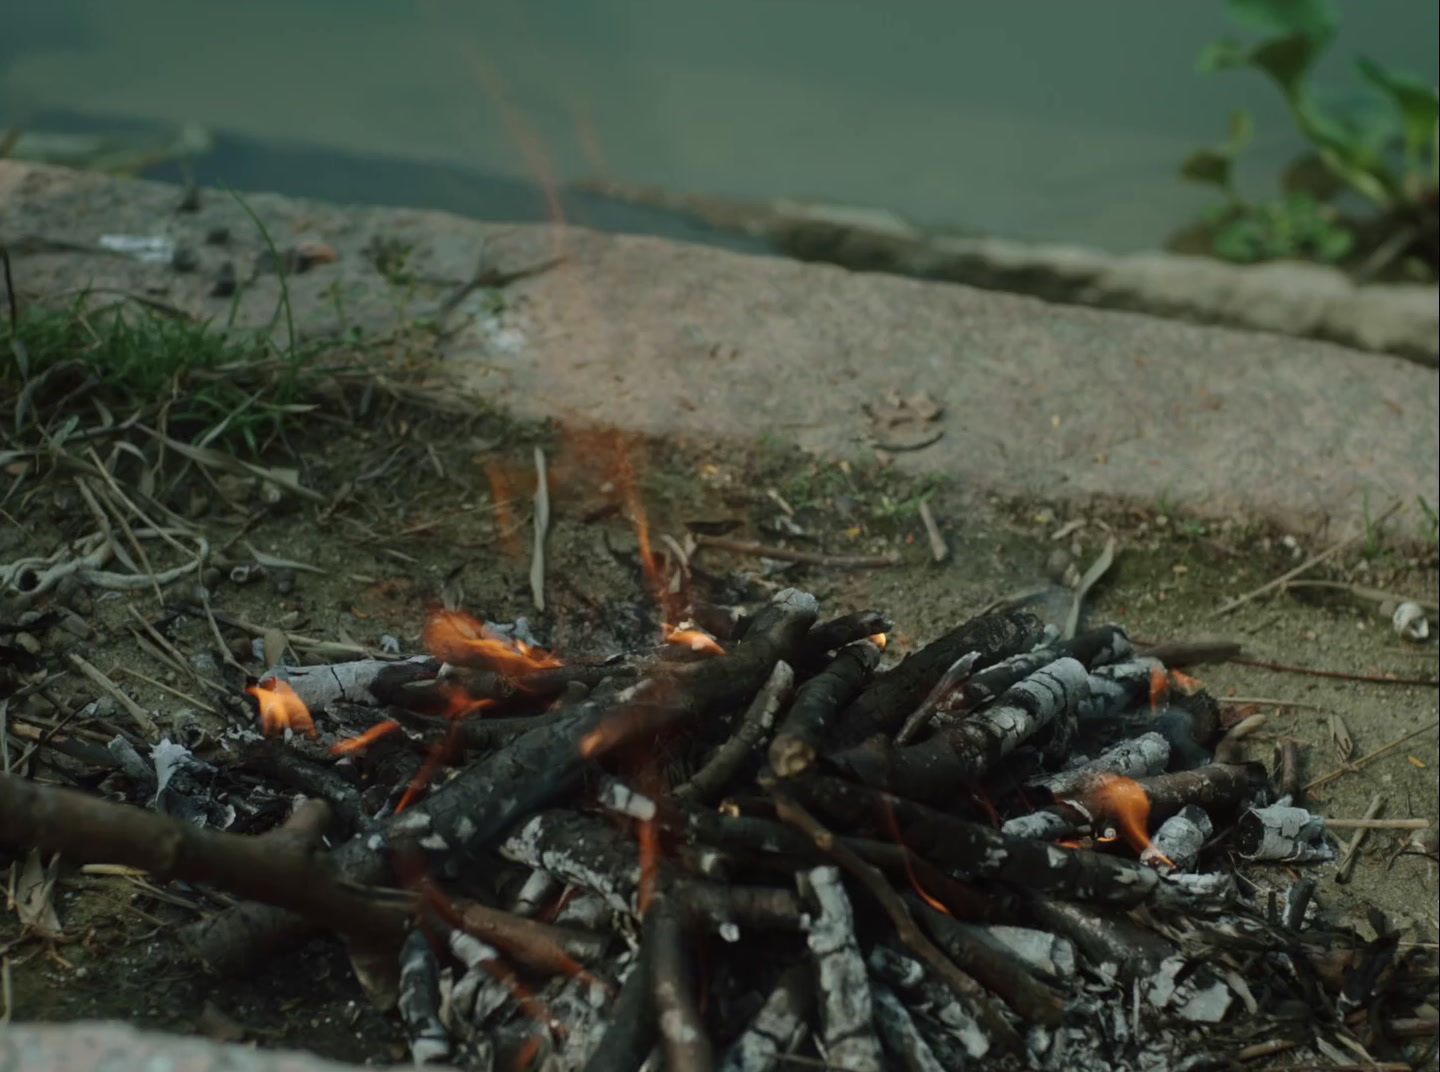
x=768 y=839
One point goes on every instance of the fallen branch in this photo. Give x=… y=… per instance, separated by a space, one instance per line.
x=786 y=554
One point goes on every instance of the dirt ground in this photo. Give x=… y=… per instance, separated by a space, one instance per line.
x=423 y=508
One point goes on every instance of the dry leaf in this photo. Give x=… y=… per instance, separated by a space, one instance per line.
x=34 y=893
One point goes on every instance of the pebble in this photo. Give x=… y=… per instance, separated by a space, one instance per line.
x=224 y=281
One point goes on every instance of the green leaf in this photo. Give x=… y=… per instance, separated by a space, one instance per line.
x=1313 y=18
x=1417 y=103
x=1222 y=55
x=1287 y=60
x=1209 y=167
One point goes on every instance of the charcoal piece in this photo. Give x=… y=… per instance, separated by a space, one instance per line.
x=1282 y=834
x=631 y=1032
x=803 y=730
x=882 y=707
x=1104 y=937
x=902 y=1039
x=580 y=849
x=1177 y=844
x=846 y=1014
x=419 y=1001
x=976 y=952
x=1297 y=900
x=934 y=770
x=481 y=991
x=781 y=1025
x=1093 y=648
x=682 y=1031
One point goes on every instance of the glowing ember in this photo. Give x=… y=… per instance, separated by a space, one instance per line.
x=879 y=640
x=281 y=709
x=694 y=639
x=455 y=637
x=366 y=739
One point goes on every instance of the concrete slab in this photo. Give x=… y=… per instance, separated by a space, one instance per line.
x=665 y=338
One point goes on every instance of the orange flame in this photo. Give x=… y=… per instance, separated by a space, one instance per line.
x=879 y=640
x=1185 y=683
x=455 y=637
x=460 y=704
x=504 y=515
x=694 y=639
x=1125 y=801
x=282 y=709
x=1159 y=687
x=366 y=739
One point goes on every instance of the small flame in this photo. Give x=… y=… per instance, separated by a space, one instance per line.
x=456 y=637
x=879 y=640
x=649 y=836
x=460 y=704
x=282 y=709
x=1126 y=801
x=366 y=739
x=694 y=639
x=1185 y=683
x=1159 y=687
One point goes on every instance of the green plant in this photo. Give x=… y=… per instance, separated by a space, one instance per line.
x=1432 y=518
x=1298 y=226
x=226 y=388
x=1386 y=150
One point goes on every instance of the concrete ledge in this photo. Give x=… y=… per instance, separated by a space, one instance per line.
x=1291 y=298
x=1041 y=400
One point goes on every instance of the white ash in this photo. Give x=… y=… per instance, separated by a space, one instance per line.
x=614 y=795
x=1179 y=840
x=1199 y=997
x=1137 y=757
x=1282 y=834
x=586 y=910
x=931 y=997
x=531 y=846
x=1047 y=953
x=321 y=686
x=777 y=1029
x=847 y=1032
x=535 y=893
x=469 y=1002
x=1040 y=826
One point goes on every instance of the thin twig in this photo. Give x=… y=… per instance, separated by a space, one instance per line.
x=133 y=709
x=1337 y=675
x=1372 y=823
x=1363 y=760
x=542 y=528
x=1097 y=569
x=785 y=554
x=1309 y=564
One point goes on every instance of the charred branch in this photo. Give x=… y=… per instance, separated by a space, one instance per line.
x=804 y=729
x=759 y=717
x=682 y=1031
x=892 y=695
x=846 y=1014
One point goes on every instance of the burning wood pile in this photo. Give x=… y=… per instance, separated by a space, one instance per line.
x=751 y=847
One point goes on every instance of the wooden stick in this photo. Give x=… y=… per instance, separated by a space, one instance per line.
x=1372 y=823
x=785 y=554
x=1309 y=564
x=939 y=550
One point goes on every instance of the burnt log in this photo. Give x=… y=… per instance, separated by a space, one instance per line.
x=882 y=707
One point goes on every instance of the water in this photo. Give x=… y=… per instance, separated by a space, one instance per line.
x=1050 y=119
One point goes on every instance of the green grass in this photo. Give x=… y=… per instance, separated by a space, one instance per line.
x=226 y=388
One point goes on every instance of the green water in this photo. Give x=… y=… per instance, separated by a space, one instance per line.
x=1055 y=120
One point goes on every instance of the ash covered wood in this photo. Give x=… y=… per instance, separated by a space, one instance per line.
x=1004 y=849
